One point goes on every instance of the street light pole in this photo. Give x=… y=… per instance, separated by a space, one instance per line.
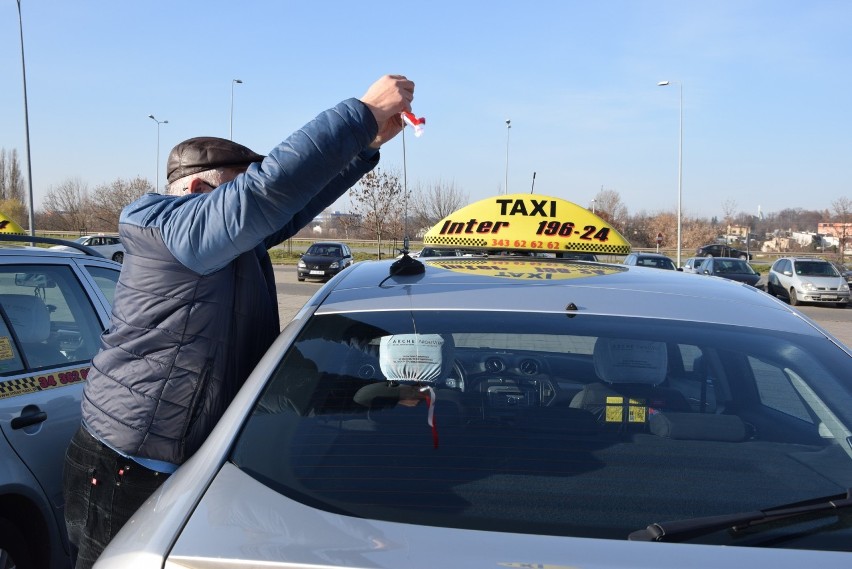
x=231 y=130
x=157 y=187
x=679 y=168
x=508 y=126
x=26 y=126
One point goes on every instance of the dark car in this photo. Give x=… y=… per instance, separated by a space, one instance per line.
x=729 y=268
x=717 y=250
x=844 y=270
x=653 y=260
x=323 y=260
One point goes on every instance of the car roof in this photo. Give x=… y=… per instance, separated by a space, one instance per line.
x=552 y=285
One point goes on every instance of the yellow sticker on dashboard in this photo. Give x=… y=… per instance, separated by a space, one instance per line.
x=527 y=222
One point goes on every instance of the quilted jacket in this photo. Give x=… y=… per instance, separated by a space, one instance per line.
x=195 y=306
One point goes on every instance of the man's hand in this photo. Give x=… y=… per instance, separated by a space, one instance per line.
x=386 y=99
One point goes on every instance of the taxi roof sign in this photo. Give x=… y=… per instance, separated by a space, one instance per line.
x=526 y=222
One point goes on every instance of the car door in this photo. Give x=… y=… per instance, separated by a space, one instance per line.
x=52 y=319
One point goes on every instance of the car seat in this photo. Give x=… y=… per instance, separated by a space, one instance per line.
x=632 y=374
x=30 y=320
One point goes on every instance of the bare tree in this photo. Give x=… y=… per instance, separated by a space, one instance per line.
x=108 y=200
x=378 y=199
x=66 y=206
x=433 y=202
x=610 y=208
x=729 y=209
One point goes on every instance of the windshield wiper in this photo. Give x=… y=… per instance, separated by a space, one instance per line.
x=686 y=529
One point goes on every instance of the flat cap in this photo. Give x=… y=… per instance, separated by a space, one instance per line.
x=207 y=153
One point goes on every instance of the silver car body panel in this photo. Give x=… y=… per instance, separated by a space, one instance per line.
x=210 y=515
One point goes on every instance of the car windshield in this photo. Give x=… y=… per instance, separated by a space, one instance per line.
x=733 y=267
x=656 y=262
x=540 y=423
x=324 y=250
x=815 y=269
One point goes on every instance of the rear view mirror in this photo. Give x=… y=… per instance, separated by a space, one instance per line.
x=34 y=280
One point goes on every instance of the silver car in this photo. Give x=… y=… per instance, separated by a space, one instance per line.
x=807 y=280
x=521 y=412
x=54 y=305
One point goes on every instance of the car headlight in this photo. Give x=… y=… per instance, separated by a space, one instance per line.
x=808 y=285
x=301 y=264
x=334 y=265
x=844 y=287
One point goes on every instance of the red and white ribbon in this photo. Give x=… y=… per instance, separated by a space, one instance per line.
x=414 y=122
x=429 y=393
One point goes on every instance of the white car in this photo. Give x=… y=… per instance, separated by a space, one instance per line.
x=691 y=265
x=107 y=245
x=807 y=280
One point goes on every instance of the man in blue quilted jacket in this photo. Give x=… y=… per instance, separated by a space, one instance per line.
x=195 y=306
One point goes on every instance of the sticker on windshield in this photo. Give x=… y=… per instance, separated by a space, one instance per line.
x=6 y=352
x=411 y=357
x=527 y=222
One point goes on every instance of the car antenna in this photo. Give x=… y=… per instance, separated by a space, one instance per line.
x=405 y=265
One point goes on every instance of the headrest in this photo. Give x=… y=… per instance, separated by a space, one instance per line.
x=630 y=361
x=28 y=315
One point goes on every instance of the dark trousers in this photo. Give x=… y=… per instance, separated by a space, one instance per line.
x=102 y=489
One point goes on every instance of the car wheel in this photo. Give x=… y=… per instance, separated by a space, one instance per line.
x=709 y=255
x=13 y=548
x=794 y=300
x=300 y=279
x=744 y=257
x=118 y=257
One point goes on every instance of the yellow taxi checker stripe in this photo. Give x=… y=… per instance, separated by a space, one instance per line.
x=462 y=241
x=21 y=386
x=32 y=384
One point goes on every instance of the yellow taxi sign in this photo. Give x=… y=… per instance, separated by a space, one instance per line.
x=526 y=222
x=9 y=226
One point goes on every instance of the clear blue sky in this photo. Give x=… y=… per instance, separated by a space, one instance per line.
x=766 y=91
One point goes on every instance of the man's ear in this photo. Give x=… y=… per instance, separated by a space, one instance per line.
x=198 y=186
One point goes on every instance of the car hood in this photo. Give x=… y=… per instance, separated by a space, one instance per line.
x=320 y=259
x=239 y=518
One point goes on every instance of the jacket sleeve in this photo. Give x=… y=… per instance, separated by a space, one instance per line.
x=275 y=198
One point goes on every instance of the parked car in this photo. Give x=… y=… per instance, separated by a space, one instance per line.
x=654 y=260
x=807 y=280
x=323 y=260
x=107 y=245
x=717 y=250
x=844 y=271
x=691 y=265
x=520 y=411
x=54 y=305
x=729 y=268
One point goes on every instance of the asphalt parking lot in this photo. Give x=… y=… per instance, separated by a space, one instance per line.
x=292 y=295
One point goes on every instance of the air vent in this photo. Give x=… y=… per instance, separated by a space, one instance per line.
x=494 y=365
x=529 y=367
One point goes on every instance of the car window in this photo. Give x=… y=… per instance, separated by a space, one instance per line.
x=105 y=279
x=489 y=416
x=815 y=269
x=50 y=317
